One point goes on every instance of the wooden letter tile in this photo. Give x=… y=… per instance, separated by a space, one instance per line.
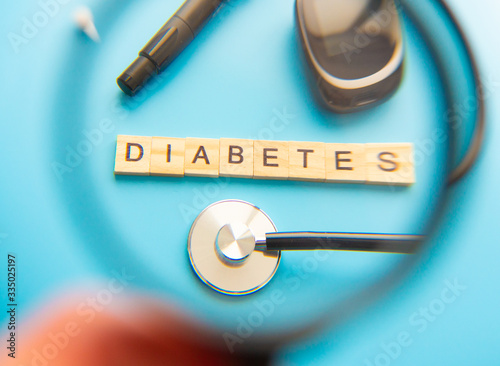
x=167 y=156
x=270 y=159
x=133 y=154
x=345 y=163
x=236 y=158
x=202 y=157
x=390 y=164
x=306 y=161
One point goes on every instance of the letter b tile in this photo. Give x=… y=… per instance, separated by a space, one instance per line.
x=236 y=158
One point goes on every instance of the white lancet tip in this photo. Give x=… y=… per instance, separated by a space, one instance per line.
x=85 y=22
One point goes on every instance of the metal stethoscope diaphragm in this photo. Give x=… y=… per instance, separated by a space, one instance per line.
x=222 y=247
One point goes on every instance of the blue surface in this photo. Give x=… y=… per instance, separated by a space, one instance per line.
x=72 y=228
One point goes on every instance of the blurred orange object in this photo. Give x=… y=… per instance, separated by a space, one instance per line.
x=128 y=333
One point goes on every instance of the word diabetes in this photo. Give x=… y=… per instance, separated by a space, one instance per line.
x=373 y=163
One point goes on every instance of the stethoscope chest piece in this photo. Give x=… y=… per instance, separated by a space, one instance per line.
x=222 y=251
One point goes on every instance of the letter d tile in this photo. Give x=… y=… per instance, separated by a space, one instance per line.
x=133 y=155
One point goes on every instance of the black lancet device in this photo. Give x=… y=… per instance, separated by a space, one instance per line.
x=167 y=43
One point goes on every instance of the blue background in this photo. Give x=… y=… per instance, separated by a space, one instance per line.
x=71 y=230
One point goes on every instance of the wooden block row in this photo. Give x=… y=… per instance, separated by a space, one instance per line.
x=311 y=161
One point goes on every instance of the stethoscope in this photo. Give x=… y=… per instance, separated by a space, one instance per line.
x=233 y=245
